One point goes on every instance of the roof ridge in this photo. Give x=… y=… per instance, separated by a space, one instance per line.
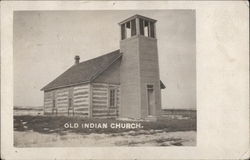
x=99 y=56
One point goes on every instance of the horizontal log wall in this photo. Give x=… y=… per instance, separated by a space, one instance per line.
x=61 y=97
x=81 y=100
x=48 y=102
x=100 y=101
x=78 y=94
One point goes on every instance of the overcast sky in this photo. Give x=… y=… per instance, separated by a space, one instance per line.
x=45 y=43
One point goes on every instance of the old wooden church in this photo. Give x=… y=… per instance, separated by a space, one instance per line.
x=124 y=83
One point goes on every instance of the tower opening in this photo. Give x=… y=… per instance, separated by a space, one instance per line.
x=137 y=25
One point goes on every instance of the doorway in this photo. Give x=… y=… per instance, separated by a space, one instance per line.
x=151 y=99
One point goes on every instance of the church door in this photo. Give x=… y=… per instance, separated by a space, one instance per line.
x=151 y=99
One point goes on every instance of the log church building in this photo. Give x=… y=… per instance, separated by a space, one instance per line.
x=121 y=84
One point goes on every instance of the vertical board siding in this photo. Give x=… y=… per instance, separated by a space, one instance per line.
x=100 y=101
x=80 y=100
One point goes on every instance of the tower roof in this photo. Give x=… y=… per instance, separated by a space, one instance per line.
x=137 y=16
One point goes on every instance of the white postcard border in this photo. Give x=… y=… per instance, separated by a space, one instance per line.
x=222 y=82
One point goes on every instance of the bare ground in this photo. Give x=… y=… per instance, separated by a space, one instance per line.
x=35 y=139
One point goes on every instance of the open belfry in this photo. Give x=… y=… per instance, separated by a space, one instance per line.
x=124 y=83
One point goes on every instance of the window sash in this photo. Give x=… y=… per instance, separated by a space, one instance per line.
x=112 y=96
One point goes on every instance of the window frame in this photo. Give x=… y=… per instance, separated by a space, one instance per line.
x=112 y=97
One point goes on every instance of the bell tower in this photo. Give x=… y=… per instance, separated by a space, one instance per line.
x=139 y=70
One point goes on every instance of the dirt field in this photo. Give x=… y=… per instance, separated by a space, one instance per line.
x=131 y=138
x=41 y=131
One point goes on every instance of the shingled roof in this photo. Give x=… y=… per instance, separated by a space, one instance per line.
x=86 y=71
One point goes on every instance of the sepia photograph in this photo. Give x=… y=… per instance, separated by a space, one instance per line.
x=124 y=80
x=104 y=78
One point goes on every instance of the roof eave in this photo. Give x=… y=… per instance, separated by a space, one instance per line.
x=70 y=85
